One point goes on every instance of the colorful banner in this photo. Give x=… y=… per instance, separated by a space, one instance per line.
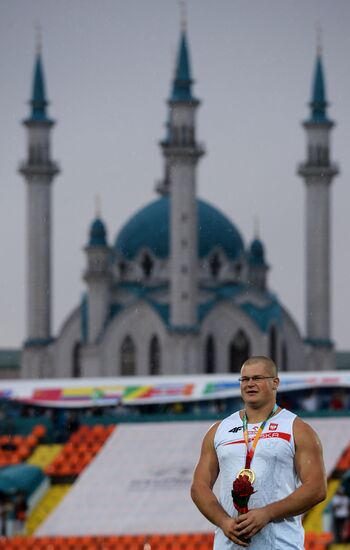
x=89 y=392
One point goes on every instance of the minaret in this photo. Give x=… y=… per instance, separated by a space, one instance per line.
x=318 y=172
x=38 y=170
x=181 y=152
x=257 y=266
x=98 y=278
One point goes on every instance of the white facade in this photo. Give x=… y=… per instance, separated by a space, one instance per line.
x=179 y=292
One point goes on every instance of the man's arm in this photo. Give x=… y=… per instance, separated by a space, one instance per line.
x=205 y=475
x=310 y=469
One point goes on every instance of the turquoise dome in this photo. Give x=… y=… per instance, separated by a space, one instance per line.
x=149 y=228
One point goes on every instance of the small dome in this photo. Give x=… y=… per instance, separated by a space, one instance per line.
x=257 y=253
x=149 y=228
x=97 y=233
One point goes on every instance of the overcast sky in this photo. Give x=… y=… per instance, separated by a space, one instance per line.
x=108 y=66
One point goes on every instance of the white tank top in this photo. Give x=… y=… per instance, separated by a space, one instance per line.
x=276 y=478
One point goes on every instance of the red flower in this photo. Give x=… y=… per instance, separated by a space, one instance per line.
x=241 y=491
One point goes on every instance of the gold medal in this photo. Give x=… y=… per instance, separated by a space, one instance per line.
x=247 y=472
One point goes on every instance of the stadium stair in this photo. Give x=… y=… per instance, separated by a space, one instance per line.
x=43 y=455
x=46 y=505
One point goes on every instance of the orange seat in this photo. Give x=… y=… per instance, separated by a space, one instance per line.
x=31 y=441
x=39 y=430
x=17 y=440
x=23 y=451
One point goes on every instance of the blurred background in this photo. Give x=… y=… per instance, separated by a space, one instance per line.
x=152 y=242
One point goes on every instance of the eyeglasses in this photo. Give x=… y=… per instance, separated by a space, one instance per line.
x=258 y=378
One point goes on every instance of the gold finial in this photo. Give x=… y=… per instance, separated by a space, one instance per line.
x=319 y=41
x=38 y=38
x=98 y=206
x=183 y=15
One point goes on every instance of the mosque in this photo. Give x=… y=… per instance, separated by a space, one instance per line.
x=177 y=291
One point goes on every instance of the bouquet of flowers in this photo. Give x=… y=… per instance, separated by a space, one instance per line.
x=241 y=491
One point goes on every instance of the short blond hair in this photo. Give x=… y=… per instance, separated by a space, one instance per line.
x=271 y=365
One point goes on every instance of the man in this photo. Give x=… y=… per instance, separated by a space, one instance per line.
x=287 y=466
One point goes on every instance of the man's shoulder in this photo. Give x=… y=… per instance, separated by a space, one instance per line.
x=287 y=412
x=304 y=433
x=231 y=418
x=231 y=423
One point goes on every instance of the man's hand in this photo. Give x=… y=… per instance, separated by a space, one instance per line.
x=229 y=526
x=252 y=522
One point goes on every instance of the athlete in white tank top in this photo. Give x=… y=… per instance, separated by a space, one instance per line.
x=276 y=478
x=287 y=466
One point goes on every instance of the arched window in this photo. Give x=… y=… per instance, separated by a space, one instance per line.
x=273 y=343
x=215 y=265
x=127 y=357
x=239 y=351
x=147 y=265
x=76 y=365
x=210 y=355
x=284 y=354
x=154 y=356
x=122 y=268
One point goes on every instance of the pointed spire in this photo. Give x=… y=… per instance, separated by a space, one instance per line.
x=38 y=101
x=319 y=102
x=181 y=90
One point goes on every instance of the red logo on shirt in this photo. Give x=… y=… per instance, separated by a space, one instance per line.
x=273 y=426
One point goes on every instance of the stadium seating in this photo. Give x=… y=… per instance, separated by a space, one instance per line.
x=82 y=446
x=15 y=449
x=138 y=482
x=143 y=473
x=127 y=542
x=318 y=541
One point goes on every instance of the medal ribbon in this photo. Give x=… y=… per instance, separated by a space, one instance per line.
x=251 y=450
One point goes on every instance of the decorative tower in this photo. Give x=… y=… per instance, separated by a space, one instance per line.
x=318 y=172
x=38 y=170
x=98 y=278
x=181 y=152
x=257 y=265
